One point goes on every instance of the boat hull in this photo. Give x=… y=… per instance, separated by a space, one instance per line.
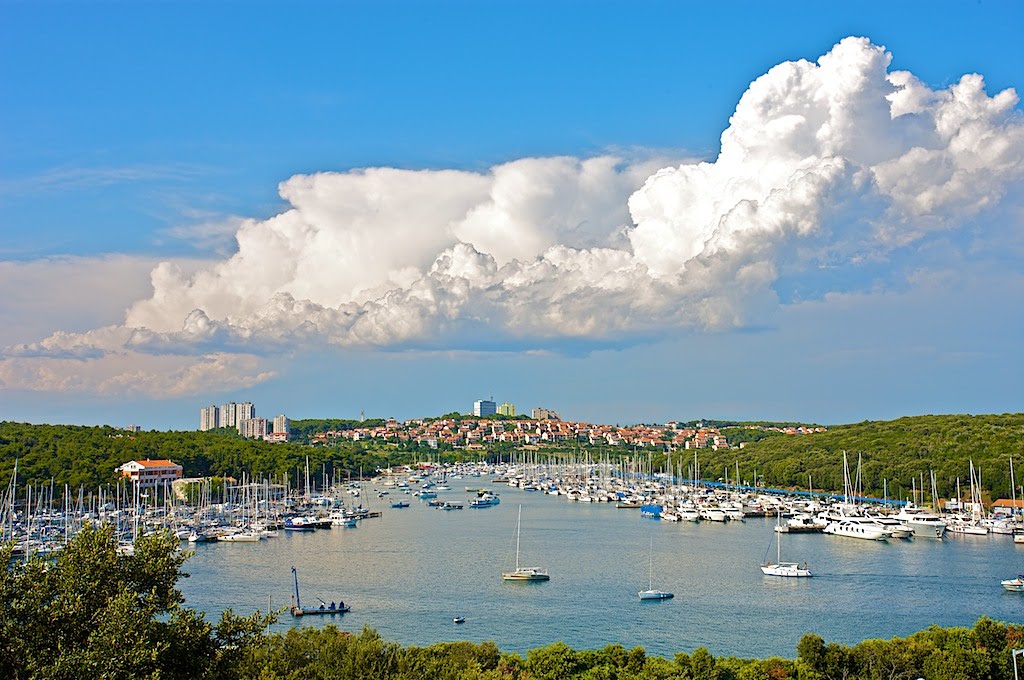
x=655 y=595
x=785 y=570
x=317 y=611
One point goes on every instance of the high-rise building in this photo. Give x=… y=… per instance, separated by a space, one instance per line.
x=540 y=413
x=209 y=418
x=229 y=415
x=244 y=411
x=484 y=407
x=253 y=428
x=282 y=425
x=507 y=409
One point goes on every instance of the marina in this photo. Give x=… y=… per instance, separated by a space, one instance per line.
x=404 y=572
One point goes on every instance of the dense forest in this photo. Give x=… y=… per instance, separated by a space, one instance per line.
x=75 y=455
x=893 y=450
x=93 y=613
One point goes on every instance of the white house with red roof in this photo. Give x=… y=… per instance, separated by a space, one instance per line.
x=150 y=472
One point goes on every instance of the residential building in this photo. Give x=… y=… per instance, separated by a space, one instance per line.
x=541 y=413
x=507 y=409
x=209 y=418
x=282 y=425
x=244 y=411
x=253 y=428
x=229 y=414
x=484 y=407
x=151 y=472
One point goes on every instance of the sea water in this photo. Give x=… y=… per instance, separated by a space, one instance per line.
x=409 y=572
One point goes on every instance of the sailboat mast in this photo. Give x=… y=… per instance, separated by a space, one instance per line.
x=650 y=581
x=778 y=538
x=519 y=524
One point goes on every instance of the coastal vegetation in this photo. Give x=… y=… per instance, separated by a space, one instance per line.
x=894 y=453
x=94 y=612
x=89 y=456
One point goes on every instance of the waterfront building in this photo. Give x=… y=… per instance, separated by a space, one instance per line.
x=507 y=409
x=209 y=418
x=484 y=407
x=150 y=472
x=253 y=428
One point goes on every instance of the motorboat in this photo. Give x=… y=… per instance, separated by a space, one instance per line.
x=922 y=522
x=459 y=619
x=802 y=523
x=858 y=528
x=247 y=536
x=1015 y=585
x=897 y=528
x=688 y=514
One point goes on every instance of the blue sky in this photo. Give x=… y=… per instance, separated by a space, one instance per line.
x=138 y=132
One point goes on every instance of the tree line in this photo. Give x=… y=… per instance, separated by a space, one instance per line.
x=894 y=453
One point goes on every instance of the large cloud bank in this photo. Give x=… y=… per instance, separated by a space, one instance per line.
x=823 y=165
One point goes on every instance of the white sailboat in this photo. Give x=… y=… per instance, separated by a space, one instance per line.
x=524 y=573
x=651 y=593
x=780 y=568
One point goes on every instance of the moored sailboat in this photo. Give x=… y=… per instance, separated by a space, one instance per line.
x=524 y=573
x=780 y=568
x=651 y=593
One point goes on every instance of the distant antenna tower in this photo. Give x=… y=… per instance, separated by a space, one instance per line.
x=362 y=416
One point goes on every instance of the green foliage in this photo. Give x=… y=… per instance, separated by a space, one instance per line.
x=739 y=435
x=89 y=456
x=304 y=429
x=740 y=423
x=897 y=450
x=97 y=613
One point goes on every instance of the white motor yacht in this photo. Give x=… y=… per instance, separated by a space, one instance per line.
x=898 y=528
x=859 y=528
x=688 y=514
x=924 y=523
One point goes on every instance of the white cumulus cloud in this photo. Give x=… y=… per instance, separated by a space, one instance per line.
x=823 y=165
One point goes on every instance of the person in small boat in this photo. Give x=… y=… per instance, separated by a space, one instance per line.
x=341 y=605
x=332 y=605
x=321 y=606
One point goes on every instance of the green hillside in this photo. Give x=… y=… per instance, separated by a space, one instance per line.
x=77 y=455
x=896 y=450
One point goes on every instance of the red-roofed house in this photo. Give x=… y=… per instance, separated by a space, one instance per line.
x=150 y=472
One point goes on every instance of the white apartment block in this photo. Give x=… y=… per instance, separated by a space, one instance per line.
x=209 y=418
x=253 y=428
x=282 y=425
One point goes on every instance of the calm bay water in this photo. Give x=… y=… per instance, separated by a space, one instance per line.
x=410 y=571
